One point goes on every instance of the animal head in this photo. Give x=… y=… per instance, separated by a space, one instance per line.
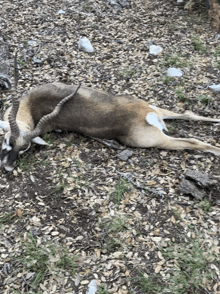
x=12 y=147
x=17 y=139
x=18 y=135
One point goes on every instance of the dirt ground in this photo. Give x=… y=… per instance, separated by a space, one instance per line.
x=115 y=218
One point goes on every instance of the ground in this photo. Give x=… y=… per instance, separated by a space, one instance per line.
x=74 y=212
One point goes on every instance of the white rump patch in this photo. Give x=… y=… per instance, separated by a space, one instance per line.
x=153 y=107
x=153 y=120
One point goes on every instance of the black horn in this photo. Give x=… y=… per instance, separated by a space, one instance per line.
x=15 y=103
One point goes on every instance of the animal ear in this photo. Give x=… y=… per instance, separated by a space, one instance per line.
x=39 y=141
x=4 y=125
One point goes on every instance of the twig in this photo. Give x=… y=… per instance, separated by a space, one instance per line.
x=139 y=187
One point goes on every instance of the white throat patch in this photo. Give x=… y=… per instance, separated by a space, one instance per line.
x=5 y=143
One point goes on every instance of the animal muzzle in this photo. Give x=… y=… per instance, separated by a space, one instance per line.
x=8 y=161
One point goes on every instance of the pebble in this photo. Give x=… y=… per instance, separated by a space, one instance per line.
x=61 y=11
x=215 y=88
x=92 y=287
x=85 y=45
x=174 y=72
x=125 y=154
x=155 y=50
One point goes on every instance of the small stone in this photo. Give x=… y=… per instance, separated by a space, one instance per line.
x=6 y=268
x=125 y=154
x=92 y=287
x=155 y=50
x=85 y=45
x=32 y=43
x=61 y=11
x=35 y=60
x=174 y=72
x=215 y=88
x=55 y=233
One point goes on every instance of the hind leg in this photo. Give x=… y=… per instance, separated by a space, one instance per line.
x=187 y=115
x=150 y=136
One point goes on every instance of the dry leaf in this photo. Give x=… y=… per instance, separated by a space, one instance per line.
x=158 y=268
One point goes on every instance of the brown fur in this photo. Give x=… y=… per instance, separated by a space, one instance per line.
x=98 y=114
x=93 y=113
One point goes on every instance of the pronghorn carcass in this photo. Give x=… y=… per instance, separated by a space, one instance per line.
x=93 y=113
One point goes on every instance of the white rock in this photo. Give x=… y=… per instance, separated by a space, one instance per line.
x=92 y=287
x=85 y=45
x=32 y=43
x=61 y=11
x=174 y=72
x=215 y=88
x=113 y=2
x=155 y=50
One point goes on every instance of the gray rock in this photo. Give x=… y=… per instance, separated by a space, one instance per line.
x=201 y=179
x=85 y=45
x=125 y=154
x=61 y=11
x=155 y=50
x=189 y=188
x=215 y=88
x=174 y=72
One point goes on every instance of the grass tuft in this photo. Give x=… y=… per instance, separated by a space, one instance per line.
x=45 y=259
x=189 y=270
x=122 y=187
x=198 y=44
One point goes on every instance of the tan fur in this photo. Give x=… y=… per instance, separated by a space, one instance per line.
x=98 y=114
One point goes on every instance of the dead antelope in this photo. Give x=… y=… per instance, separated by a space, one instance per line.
x=93 y=113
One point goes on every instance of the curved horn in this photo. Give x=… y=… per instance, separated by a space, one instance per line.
x=15 y=103
x=45 y=119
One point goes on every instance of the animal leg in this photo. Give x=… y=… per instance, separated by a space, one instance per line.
x=151 y=136
x=187 y=115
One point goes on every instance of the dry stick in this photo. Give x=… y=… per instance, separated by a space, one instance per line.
x=109 y=143
x=141 y=188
